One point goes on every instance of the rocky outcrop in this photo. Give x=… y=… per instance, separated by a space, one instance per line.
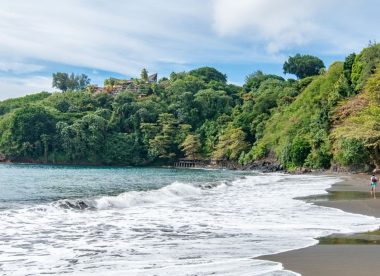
x=265 y=165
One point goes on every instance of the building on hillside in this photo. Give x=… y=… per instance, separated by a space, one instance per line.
x=152 y=78
x=115 y=86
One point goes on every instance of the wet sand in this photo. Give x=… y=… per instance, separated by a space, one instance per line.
x=352 y=195
x=334 y=260
x=339 y=255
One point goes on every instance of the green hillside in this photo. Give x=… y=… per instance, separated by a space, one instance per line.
x=356 y=134
x=326 y=118
x=298 y=133
x=334 y=120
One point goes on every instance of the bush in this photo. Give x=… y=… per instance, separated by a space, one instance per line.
x=123 y=149
x=365 y=65
x=260 y=150
x=319 y=159
x=295 y=152
x=299 y=151
x=351 y=152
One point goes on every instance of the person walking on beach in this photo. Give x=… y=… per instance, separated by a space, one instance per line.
x=373 y=185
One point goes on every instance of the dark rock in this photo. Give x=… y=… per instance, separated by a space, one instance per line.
x=266 y=165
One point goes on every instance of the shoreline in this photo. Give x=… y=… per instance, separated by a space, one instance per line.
x=353 y=254
x=338 y=254
x=265 y=166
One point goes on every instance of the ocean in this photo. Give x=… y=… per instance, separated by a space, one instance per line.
x=75 y=220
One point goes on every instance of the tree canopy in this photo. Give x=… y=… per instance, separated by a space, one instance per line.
x=303 y=66
x=208 y=74
x=64 y=81
x=144 y=75
x=315 y=122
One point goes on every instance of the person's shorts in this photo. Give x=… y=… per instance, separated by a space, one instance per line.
x=373 y=184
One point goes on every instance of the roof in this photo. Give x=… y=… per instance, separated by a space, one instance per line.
x=152 y=78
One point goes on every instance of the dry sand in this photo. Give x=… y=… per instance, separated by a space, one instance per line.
x=351 y=195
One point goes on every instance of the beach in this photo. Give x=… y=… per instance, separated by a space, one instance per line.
x=160 y=221
x=356 y=254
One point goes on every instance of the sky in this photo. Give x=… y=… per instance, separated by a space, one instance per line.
x=117 y=38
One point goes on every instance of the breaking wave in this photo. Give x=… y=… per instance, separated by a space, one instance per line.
x=173 y=192
x=185 y=228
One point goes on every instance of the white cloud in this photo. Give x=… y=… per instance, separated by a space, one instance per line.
x=269 y=18
x=125 y=36
x=19 y=67
x=11 y=87
x=286 y=24
x=120 y=36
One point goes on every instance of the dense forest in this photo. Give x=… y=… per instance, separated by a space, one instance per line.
x=324 y=118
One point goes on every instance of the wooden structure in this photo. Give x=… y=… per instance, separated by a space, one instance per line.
x=189 y=163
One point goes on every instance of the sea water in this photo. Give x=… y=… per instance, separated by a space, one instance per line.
x=158 y=221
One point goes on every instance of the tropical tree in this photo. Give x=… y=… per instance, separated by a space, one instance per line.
x=64 y=81
x=212 y=103
x=208 y=74
x=161 y=137
x=123 y=149
x=253 y=81
x=231 y=144
x=84 y=139
x=303 y=66
x=144 y=75
x=191 y=146
x=27 y=132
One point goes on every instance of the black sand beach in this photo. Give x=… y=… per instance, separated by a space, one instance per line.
x=337 y=255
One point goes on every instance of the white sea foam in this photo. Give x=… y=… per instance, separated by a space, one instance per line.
x=173 y=192
x=181 y=229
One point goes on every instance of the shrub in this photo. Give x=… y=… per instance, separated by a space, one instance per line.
x=365 y=65
x=295 y=152
x=351 y=151
x=299 y=151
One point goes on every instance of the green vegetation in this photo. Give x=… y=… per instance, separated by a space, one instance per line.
x=303 y=66
x=64 y=81
x=326 y=117
x=361 y=238
x=357 y=134
x=371 y=237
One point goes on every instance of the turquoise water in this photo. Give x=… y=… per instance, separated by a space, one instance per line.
x=30 y=184
x=71 y=220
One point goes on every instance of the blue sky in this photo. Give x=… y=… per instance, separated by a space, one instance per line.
x=104 y=38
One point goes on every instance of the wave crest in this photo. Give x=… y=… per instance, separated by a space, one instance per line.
x=173 y=192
